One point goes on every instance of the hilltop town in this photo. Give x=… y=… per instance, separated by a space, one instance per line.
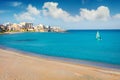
x=28 y=27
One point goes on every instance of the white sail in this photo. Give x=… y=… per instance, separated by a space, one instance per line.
x=98 y=37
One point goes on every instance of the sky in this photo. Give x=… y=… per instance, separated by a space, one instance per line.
x=68 y=14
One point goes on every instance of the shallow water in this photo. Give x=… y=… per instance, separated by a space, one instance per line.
x=73 y=44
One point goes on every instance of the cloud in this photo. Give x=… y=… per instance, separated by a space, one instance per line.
x=15 y=4
x=33 y=10
x=51 y=9
x=30 y=14
x=117 y=16
x=2 y=11
x=102 y=13
x=24 y=16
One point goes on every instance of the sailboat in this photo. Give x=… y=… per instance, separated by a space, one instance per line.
x=98 y=37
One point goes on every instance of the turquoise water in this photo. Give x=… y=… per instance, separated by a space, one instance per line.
x=73 y=44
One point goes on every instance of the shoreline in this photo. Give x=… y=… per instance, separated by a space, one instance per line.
x=37 y=62
x=88 y=63
x=13 y=32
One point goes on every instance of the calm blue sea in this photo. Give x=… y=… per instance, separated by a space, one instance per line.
x=73 y=44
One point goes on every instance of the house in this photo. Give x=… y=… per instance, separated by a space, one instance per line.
x=40 y=28
x=2 y=28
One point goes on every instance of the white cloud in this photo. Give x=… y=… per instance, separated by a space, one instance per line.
x=24 y=16
x=15 y=4
x=28 y=15
x=51 y=9
x=102 y=13
x=33 y=10
x=117 y=16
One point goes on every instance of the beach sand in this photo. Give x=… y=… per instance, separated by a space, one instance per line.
x=18 y=66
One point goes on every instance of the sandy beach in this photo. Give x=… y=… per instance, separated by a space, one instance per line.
x=18 y=66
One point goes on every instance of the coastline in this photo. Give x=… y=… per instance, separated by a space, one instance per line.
x=24 y=66
x=11 y=32
x=88 y=63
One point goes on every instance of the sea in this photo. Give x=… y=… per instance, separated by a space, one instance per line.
x=72 y=44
